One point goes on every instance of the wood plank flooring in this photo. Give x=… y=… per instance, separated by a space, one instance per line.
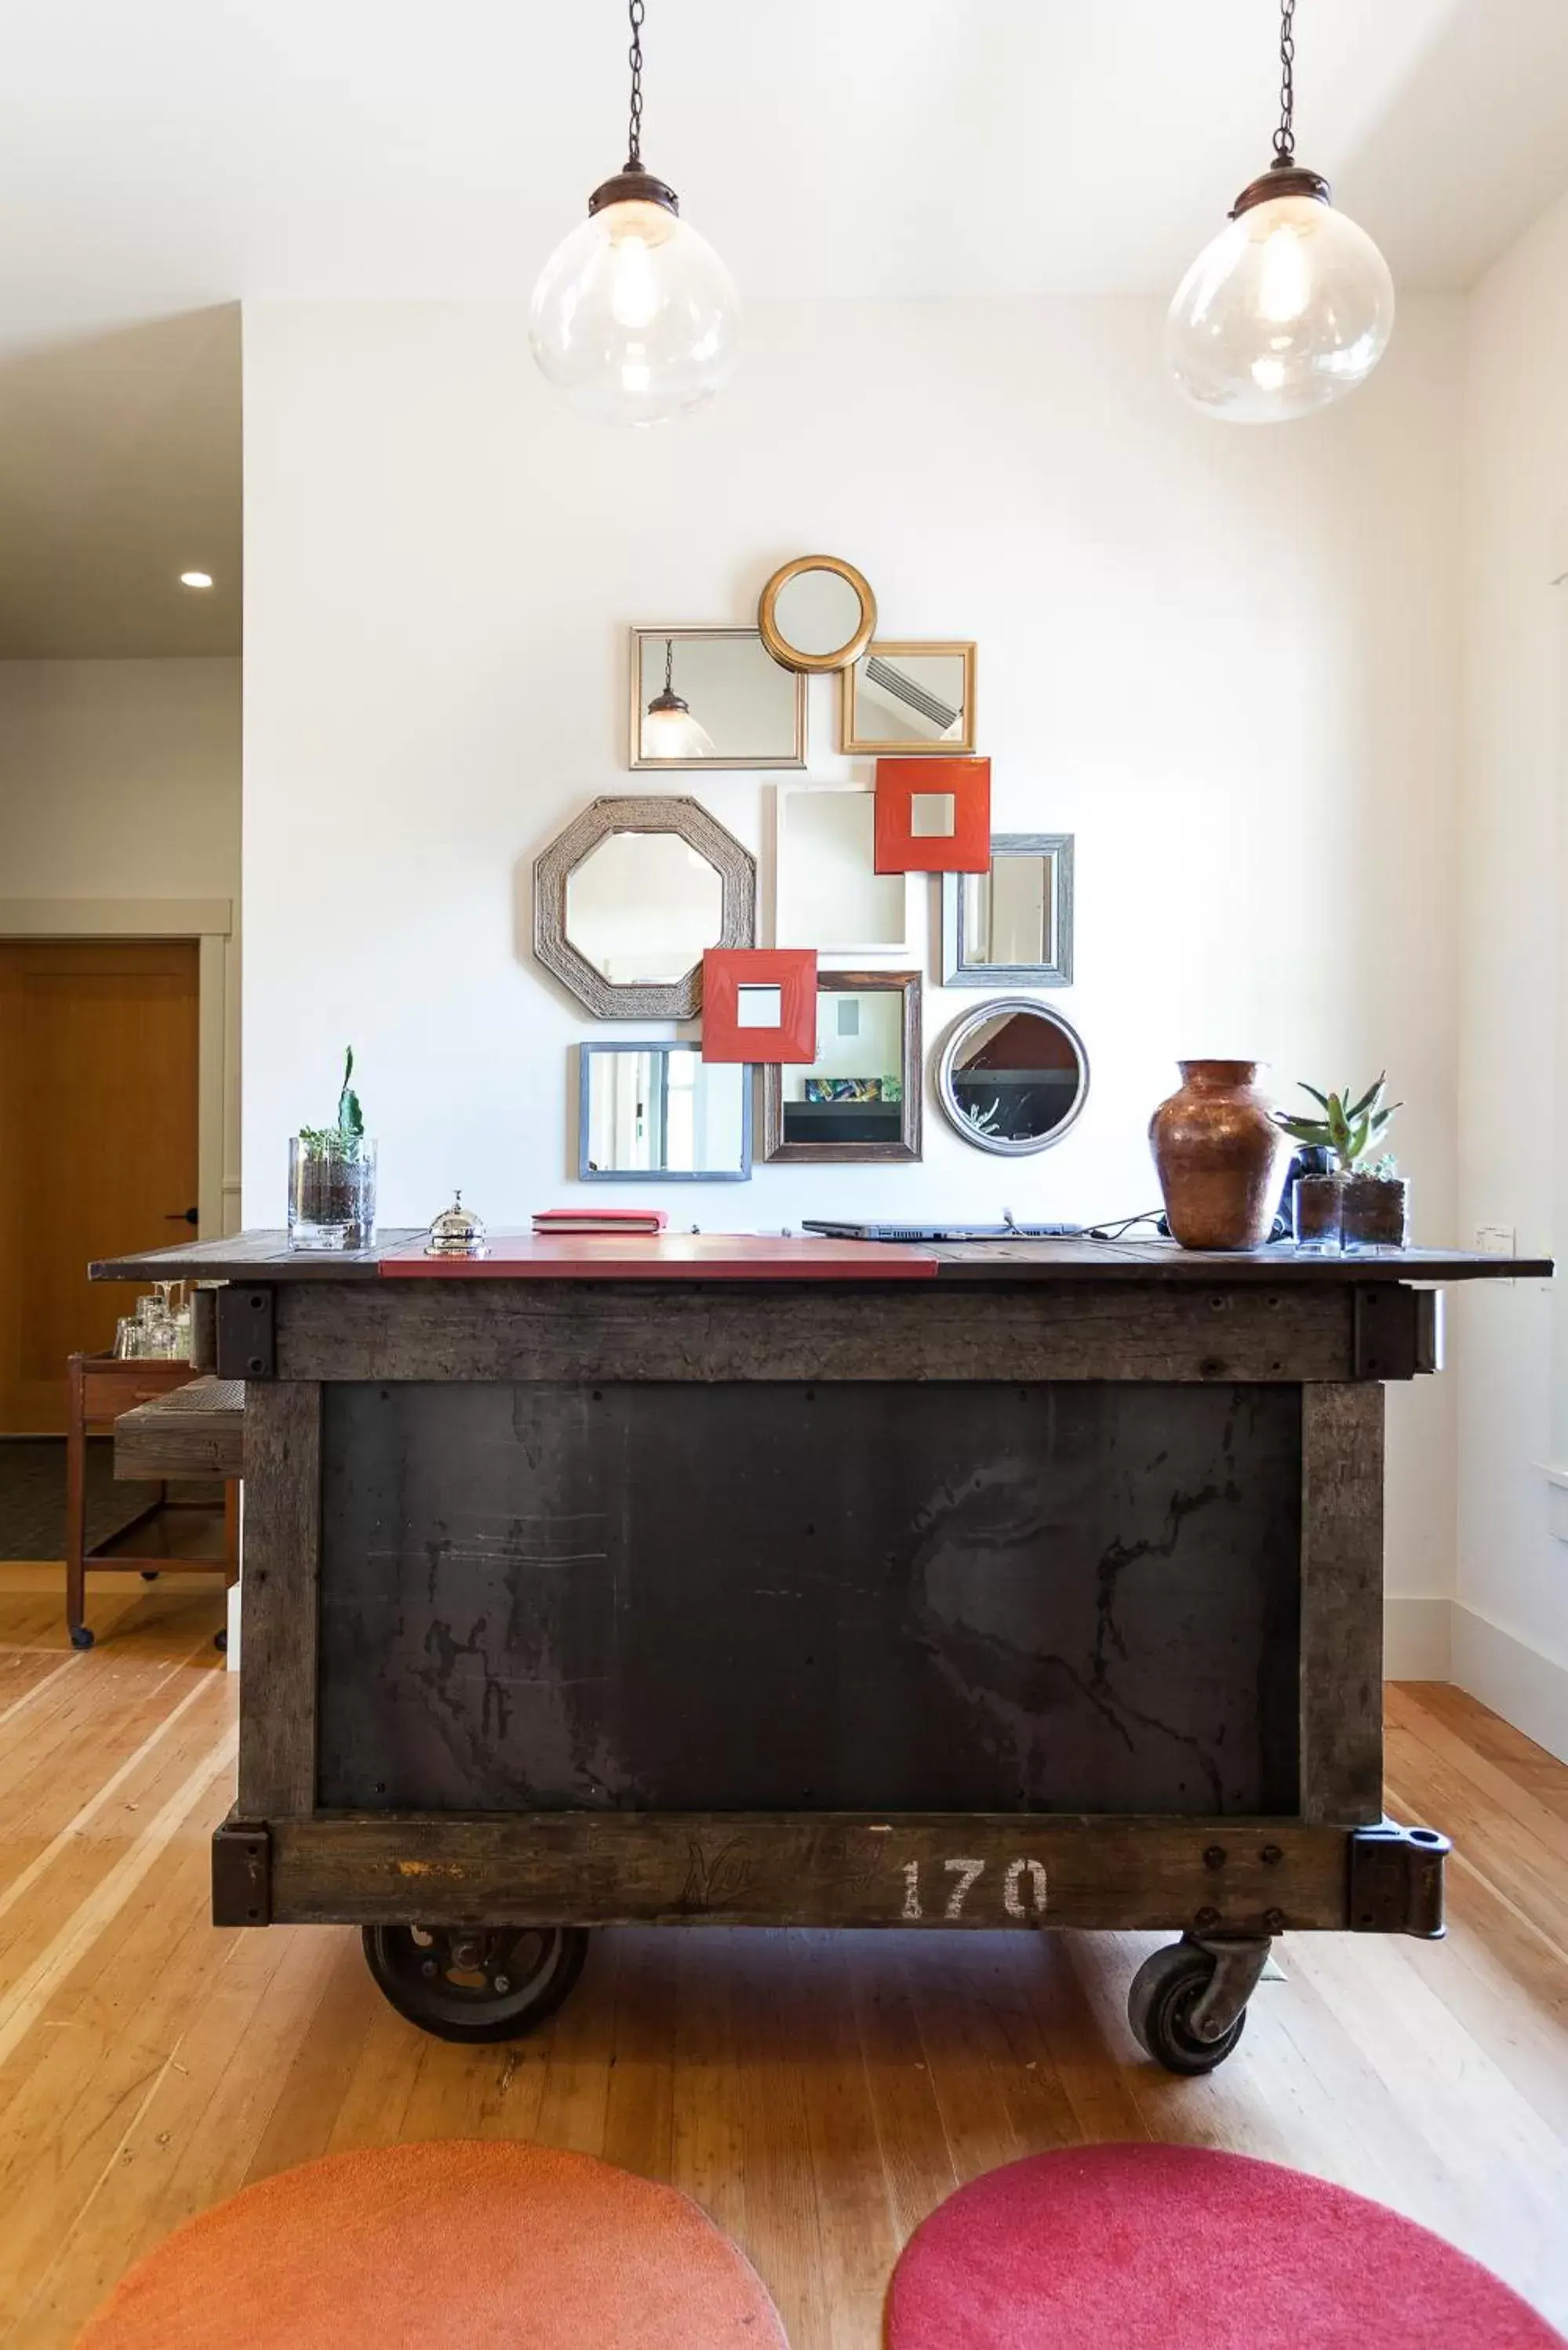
x=817 y=2093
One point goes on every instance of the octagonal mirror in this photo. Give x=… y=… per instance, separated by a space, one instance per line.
x=628 y=898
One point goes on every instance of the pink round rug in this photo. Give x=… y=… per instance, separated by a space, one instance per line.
x=481 y=2246
x=1176 y=2248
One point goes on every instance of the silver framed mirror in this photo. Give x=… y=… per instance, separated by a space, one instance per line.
x=1014 y=1076
x=859 y=1098
x=661 y=1114
x=628 y=898
x=1014 y=921
x=816 y=613
x=706 y=697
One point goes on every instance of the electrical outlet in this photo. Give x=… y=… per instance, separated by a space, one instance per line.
x=1497 y=1240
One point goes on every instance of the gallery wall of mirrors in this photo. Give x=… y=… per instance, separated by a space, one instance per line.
x=637 y=888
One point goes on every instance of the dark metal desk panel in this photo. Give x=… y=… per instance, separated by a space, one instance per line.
x=945 y=1597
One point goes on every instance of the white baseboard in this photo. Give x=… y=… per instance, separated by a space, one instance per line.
x=1528 y=1689
x=1417 y=1640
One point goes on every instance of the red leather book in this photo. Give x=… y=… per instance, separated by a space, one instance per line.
x=600 y=1219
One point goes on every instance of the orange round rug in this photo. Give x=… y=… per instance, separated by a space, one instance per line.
x=492 y=2246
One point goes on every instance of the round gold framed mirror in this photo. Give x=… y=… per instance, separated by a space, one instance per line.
x=816 y=613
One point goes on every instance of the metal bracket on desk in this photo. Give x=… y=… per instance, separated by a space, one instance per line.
x=246 y=1348
x=1396 y=1881
x=1398 y=1332
x=242 y=1873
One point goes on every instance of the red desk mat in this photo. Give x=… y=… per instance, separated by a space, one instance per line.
x=666 y=1256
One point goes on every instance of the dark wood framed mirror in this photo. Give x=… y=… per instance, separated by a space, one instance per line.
x=859 y=1100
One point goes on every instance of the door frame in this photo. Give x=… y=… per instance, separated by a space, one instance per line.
x=211 y=921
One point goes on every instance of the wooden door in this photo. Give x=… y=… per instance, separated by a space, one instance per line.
x=98 y=1144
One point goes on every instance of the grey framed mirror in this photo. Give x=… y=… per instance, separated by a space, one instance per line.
x=909 y=698
x=860 y=1097
x=630 y=895
x=712 y=697
x=1012 y=1076
x=816 y=613
x=1013 y=921
x=661 y=1114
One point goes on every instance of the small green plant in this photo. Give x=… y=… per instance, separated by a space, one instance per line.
x=342 y=1141
x=1346 y=1129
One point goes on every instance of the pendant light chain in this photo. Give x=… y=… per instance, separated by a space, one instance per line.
x=1285 y=136
x=669 y=664
x=635 y=11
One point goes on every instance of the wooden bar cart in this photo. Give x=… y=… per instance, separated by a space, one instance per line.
x=771 y=1582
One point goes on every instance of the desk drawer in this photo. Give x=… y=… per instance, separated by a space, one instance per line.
x=110 y=1388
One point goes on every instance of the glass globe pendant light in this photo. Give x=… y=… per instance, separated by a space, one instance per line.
x=668 y=729
x=1292 y=305
x=634 y=315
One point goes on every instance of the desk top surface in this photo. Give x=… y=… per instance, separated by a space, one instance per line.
x=763 y=1257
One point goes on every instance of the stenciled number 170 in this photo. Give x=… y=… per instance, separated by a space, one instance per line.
x=1022 y=1889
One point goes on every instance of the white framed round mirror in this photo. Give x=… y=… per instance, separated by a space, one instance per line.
x=1012 y=1076
x=816 y=613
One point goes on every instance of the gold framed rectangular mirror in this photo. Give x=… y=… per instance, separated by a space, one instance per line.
x=859 y=1099
x=712 y=697
x=906 y=698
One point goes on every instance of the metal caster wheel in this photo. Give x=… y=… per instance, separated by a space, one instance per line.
x=1187 y=2004
x=221 y=1642
x=476 y=1983
x=81 y=1635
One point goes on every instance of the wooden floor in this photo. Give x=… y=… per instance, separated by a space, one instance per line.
x=817 y=2093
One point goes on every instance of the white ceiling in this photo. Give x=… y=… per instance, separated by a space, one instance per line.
x=161 y=157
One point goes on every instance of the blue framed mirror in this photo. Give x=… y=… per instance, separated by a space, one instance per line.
x=661 y=1114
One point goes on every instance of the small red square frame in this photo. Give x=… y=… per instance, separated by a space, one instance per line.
x=791 y=969
x=965 y=849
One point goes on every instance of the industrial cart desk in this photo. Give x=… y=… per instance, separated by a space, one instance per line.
x=771 y=1582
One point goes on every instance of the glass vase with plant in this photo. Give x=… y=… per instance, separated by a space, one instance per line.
x=1362 y=1202
x=332 y=1178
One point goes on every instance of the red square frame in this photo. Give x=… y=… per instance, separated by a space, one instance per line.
x=791 y=969
x=966 y=850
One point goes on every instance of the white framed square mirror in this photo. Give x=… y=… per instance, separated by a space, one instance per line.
x=908 y=697
x=712 y=697
x=826 y=893
x=1013 y=921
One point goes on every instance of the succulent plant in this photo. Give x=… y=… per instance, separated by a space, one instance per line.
x=342 y=1141
x=1346 y=1128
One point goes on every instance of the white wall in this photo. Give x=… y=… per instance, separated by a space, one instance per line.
x=1510 y=1626
x=120 y=780
x=1225 y=659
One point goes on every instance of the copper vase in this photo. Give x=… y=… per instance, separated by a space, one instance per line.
x=1220 y=1157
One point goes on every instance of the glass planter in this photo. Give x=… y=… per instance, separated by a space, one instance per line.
x=1317 y=1206
x=331 y=1192
x=1377 y=1212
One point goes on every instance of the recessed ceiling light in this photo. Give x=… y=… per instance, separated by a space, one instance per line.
x=195 y=579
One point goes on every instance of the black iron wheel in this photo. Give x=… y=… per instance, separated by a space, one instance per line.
x=1161 y=2001
x=476 y=1983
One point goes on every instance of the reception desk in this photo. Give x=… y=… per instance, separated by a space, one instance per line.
x=786 y=1581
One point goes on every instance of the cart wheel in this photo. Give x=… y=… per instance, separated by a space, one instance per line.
x=1160 y=2000
x=479 y=1982
x=221 y=1642
x=81 y=1635
x=150 y=1573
